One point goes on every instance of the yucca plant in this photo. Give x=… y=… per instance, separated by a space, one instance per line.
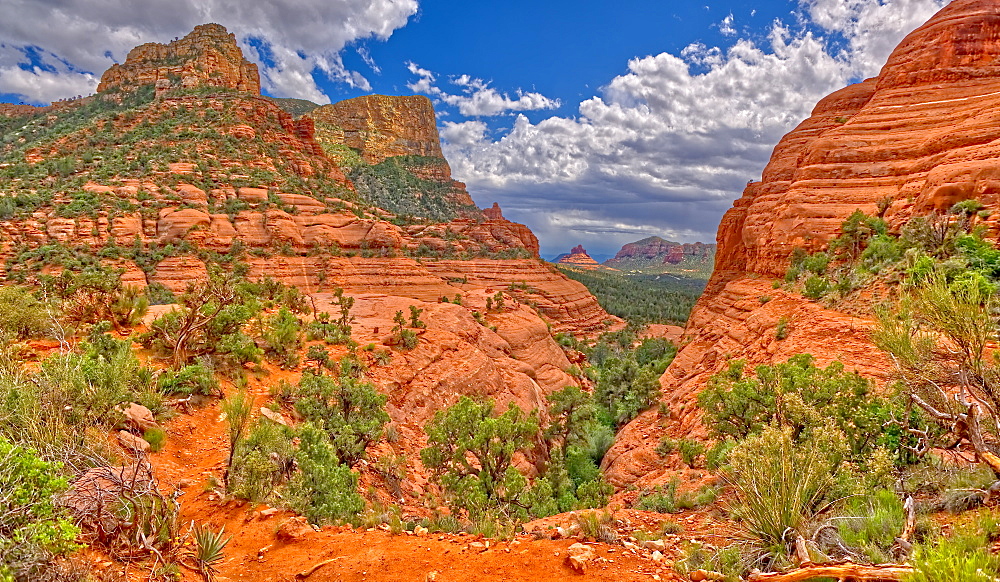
x=779 y=485
x=208 y=548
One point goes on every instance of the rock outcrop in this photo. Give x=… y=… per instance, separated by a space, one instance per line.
x=398 y=128
x=579 y=258
x=384 y=126
x=208 y=56
x=921 y=136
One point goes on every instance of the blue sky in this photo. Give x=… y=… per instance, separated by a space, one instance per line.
x=592 y=122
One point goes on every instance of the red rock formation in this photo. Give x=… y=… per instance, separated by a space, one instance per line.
x=578 y=257
x=383 y=126
x=208 y=56
x=920 y=137
x=655 y=249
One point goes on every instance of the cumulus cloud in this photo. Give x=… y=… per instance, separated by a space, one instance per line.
x=301 y=37
x=465 y=133
x=665 y=147
x=476 y=98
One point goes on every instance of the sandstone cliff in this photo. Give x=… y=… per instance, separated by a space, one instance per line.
x=918 y=138
x=383 y=126
x=208 y=56
x=397 y=140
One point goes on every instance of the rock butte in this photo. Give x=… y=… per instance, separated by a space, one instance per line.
x=921 y=136
x=578 y=257
x=208 y=55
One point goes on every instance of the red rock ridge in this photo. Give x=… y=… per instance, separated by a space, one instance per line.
x=923 y=135
x=666 y=251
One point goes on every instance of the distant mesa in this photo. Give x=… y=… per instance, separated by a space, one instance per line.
x=578 y=257
x=656 y=255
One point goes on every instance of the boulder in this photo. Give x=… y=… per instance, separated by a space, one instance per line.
x=579 y=556
x=131 y=443
x=138 y=416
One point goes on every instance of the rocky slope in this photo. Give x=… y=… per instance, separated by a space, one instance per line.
x=656 y=255
x=916 y=139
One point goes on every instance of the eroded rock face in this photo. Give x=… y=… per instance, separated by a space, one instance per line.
x=208 y=56
x=383 y=126
x=917 y=139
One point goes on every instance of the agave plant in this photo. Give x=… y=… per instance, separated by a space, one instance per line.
x=208 y=547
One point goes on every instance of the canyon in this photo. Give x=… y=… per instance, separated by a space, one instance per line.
x=356 y=199
x=916 y=139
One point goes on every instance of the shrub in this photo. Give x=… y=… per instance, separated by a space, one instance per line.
x=690 y=450
x=156 y=437
x=58 y=408
x=779 y=483
x=626 y=388
x=22 y=315
x=961 y=558
x=282 y=338
x=490 y=483
x=816 y=287
x=351 y=412
x=209 y=321
x=261 y=461
x=598 y=525
x=781 y=330
x=739 y=405
x=237 y=410
x=192 y=379
x=870 y=524
x=33 y=527
x=324 y=490
x=666 y=447
x=663 y=499
x=97 y=295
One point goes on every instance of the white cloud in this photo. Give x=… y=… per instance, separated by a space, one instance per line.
x=726 y=26
x=466 y=133
x=45 y=85
x=865 y=23
x=302 y=35
x=476 y=97
x=671 y=142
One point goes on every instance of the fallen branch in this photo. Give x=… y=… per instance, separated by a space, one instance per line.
x=847 y=571
x=902 y=546
x=307 y=573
